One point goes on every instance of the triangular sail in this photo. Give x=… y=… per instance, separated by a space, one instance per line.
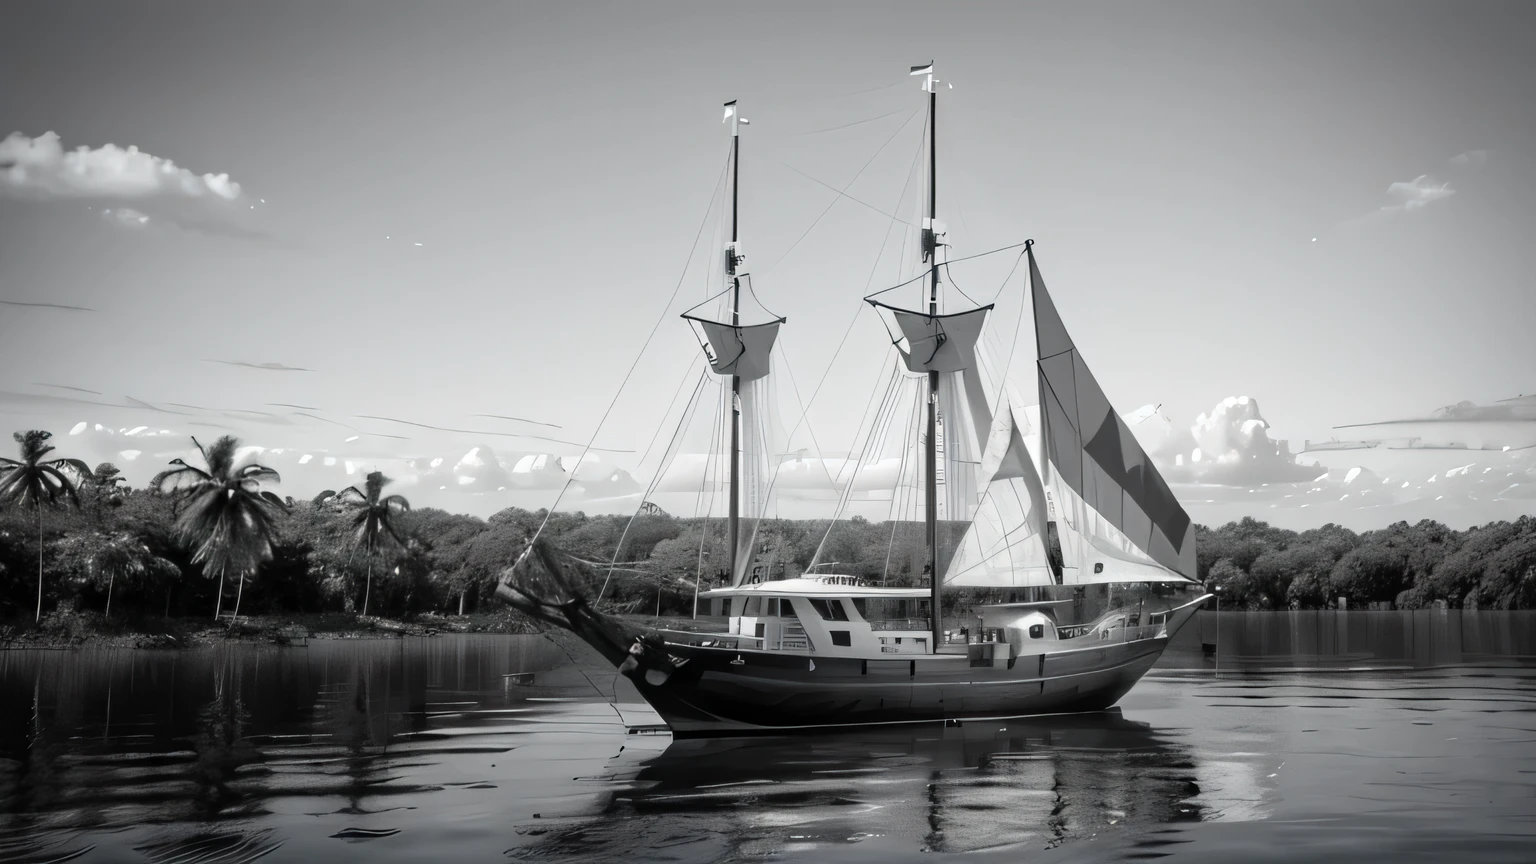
x=1004 y=546
x=1128 y=515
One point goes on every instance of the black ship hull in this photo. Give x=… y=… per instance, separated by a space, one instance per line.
x=702 y=691
x=728 y=692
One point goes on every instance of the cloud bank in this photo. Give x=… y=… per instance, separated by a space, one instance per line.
x=1230 y=446
x=40 y=168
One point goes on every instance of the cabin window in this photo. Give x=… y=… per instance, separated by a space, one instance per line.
x=786 y=608
x=1098 y=567
x=754 y=607
x=841 y=637
x=1037 y=631
x=888 y=613
x=831 y=610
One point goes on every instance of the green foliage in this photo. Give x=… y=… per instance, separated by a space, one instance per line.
x=129 y=548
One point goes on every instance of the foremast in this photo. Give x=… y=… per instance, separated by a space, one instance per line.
x=931 y=255
x=740 y=351
x=732 y=260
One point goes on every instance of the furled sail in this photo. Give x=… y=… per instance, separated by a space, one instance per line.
x=947 y=344
x=1130 y=527
x=739 y=350
x=744 y=351
x=939 y=343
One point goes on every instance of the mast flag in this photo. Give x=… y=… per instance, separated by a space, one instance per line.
x=925 y=69
x=735 y=117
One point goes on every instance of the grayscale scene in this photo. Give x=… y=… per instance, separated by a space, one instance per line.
x=780 y=431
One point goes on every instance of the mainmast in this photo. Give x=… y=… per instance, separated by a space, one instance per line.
x=732 y=259
x=930 y=254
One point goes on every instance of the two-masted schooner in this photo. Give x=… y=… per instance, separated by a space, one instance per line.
x=1077 y=560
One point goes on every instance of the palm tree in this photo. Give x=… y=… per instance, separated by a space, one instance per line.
x=32 y=480
x=374 y=519
x=225 y=515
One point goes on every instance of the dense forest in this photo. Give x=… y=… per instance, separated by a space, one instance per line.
x=202 y=537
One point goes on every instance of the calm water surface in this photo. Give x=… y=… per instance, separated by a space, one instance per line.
x=447 y=749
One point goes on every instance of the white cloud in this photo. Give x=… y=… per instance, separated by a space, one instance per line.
x=1418 y=193
x=41 y=168
x=1231 y=446
x=125 y=216
x=1471 y=157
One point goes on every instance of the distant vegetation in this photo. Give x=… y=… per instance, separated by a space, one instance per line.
x=200 y=535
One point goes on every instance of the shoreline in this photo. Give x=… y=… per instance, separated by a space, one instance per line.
x=89 y=630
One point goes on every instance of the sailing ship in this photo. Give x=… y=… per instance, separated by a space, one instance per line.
x=1074 y=564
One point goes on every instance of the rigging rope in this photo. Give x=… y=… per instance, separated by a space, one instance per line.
x=845 y=194
x=593 y=440
x=854 y=123
x=846 y=187
x=804 y=418
x=924 y=274
x=656 y=480
x=717 y=436
x=687 y=373
x=853 y=476
x=1002 y=377
x=898 y=494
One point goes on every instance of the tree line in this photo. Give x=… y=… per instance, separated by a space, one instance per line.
x=203 y=536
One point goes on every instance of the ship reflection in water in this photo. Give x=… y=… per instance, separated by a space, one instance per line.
x=491 y=748
x=982 y=785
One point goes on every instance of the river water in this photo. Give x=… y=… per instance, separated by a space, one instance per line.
x=1384 y=747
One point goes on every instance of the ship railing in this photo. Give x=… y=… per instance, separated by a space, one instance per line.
x=1114 y=633
x=710 y=640
x=913 y=624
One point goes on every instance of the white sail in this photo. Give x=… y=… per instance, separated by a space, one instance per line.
x=987 y=478
x=1128 y=526
x=1004 y=546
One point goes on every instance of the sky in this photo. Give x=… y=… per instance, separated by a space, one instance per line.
x=436 y=212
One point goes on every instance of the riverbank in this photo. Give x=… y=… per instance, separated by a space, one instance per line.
x=90 y=629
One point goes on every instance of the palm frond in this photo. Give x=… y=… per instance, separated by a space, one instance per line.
x=260 y=474
x=55 y=482
x=397 y=503
x=351 y=495
x=203 y=451
x=180 y=479
x=76 y=465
